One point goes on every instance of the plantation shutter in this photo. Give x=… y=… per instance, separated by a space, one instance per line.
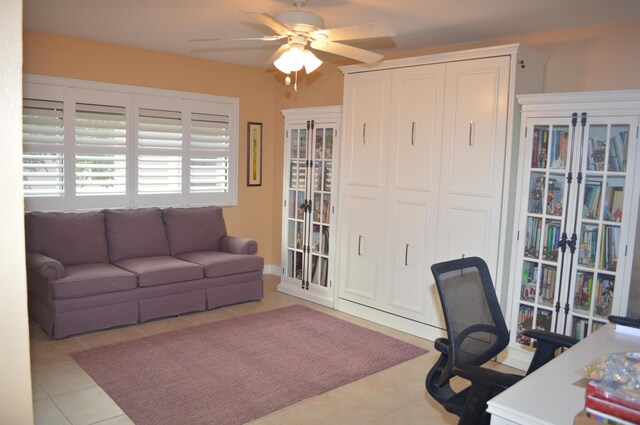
x=90 y=145
x=101 y=148
x=159 y=151
x=209 y=153
x=43 y=148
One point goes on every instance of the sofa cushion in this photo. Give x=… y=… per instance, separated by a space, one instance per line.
x=194 y=229
x=70 y=238
x=135 y=233
x=91 y=279
x=159 y=270
x=218 y=263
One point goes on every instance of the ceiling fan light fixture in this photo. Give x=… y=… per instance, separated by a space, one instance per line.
x=294 y=59
x=290 y=61
x=311 y=62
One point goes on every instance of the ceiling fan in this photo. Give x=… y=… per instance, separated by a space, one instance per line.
x=301 y=28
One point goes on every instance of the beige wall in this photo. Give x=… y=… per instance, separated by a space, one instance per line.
x=595 y=58
x=15 y=375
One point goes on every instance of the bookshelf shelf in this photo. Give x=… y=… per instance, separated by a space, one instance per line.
x=579 y=207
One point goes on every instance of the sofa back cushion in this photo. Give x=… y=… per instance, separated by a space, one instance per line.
x=194 y=229
x=135 y=233
x=70 y=238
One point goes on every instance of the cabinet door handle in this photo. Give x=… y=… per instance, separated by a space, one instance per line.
x=364 y=133
x=471 y=125
x=359 y=244
x=413 y=133
x=406 y=255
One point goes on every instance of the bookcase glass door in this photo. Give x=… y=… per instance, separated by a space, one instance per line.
x=309 y=203
x=296 y=190
x=574 y=184
x=546 y=199
x=601 y=217
x=320 y=231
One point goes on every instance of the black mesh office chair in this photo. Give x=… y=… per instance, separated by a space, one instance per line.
x=476 y=332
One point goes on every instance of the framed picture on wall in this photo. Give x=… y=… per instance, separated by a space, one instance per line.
x=254 y=154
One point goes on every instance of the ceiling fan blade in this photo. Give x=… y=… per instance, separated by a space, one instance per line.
x=278 y=52
x=269 y=21
x=347 y=51
x=265 y=38
x=372 y=30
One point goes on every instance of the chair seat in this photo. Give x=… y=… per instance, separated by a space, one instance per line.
x=91 y=279
x=158 y=270
x=219 y=263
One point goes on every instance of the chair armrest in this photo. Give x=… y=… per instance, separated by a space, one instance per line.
x=45 y=266
x=442 y=345
x=487 y=378
x=547 y=344
x=555 y=339
x=236 y=245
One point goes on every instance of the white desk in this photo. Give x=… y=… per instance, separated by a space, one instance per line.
x=548 y=395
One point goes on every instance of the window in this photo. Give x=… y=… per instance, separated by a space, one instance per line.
x=92 y=145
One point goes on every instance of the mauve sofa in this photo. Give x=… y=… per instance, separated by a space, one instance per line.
x=99 y=269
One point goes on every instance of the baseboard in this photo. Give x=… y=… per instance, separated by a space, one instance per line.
x=318 y=297
x=402 y=324
x=272 y=269
x=515 y=358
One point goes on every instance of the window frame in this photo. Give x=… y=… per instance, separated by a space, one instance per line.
x=72 y=92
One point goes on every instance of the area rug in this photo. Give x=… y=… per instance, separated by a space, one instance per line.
x=236 y=370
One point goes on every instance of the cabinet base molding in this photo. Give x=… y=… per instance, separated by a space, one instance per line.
x=311 y=294
x=518 y=359
x=402 y=324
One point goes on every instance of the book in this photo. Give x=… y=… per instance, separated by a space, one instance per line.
x=608 y=407
x=606 y=419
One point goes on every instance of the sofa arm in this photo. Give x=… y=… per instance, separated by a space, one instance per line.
x=45 y=266
x=236 y=245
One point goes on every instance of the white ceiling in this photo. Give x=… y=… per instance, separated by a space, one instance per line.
x=168 y=25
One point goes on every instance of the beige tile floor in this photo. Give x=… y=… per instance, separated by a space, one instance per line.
x=64 y=394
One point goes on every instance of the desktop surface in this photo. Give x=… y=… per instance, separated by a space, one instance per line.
x=549 y=396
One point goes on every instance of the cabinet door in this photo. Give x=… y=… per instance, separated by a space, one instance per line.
x=295 y=196
x=605 y=207
x=366 y=128
x=361 y=247
x=544 y=203
x=416 y=127
x=321 y=195
x=473 y=156
x=413 y=188
x=407 y=290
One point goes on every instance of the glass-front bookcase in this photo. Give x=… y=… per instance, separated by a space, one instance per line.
x=310 y=136
x=578 y=204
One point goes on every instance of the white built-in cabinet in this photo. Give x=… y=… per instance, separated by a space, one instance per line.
x=426 y=175
x=308 y=205
x=576 y=217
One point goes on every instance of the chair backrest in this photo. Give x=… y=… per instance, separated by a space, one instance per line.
x=475 y=325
